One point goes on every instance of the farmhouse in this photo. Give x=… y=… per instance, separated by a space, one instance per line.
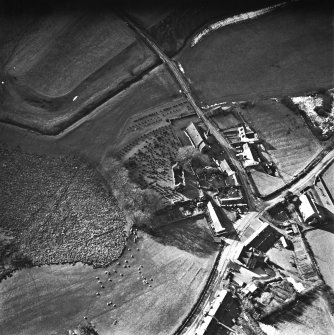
x=224 y=166
x=215 y=222
x=241 y=134
x=195 y=137
x=307 y=208
x=248 y=156
x=263 y=237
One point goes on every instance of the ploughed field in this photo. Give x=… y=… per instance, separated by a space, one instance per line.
x=56 y=210
x=289 y=142
x=54 y=299
x=63 y=65
x=287 y=51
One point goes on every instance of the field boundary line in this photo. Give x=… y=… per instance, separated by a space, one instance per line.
x=200 y=299
x=84 y=113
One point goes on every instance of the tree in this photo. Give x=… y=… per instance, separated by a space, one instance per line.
x=140 y=205
x=191 y=156
x=291 y=208
x=321 y=111
x=287 y=101
x=140 y=219
x=152 y=201
x=87 y=330
x=185 y=154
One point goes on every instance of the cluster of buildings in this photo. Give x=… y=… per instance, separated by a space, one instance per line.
x=251 y=276
x=244 y=140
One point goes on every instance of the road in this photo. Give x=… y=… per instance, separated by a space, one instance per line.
x=231 y=250
x=182 y=81
x=307 y=179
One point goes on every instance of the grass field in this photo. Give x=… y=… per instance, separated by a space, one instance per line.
x=64 y=66
x=102 y=129
x=36 y=301
x=266 y=183
x=328 y=178
x=63 y=50
x=286 y=137
x=284 y=52
x=322 y=241
x=226 y=120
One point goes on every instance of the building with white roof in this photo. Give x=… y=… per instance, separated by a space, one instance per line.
x=215 y=222
x=211 y=313
x=224 y=166
x=195 y=137
x=247 y=157
x=307 y=208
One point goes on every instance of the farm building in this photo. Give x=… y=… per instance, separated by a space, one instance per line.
x=241 y=134
x=224 y=166
x=263 y=237
x=228 y=195
x=195 y=137
x=250 y=257
x=215 y=222
x=178 y=177
x=248 y=156
x=308 y=209
x=223 y=309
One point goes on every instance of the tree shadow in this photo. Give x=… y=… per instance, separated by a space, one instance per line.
x=189 y=235
x=328 y=216
x=227 y=223
x=293 y=311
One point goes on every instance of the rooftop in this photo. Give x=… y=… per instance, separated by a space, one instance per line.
x=195 y=136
